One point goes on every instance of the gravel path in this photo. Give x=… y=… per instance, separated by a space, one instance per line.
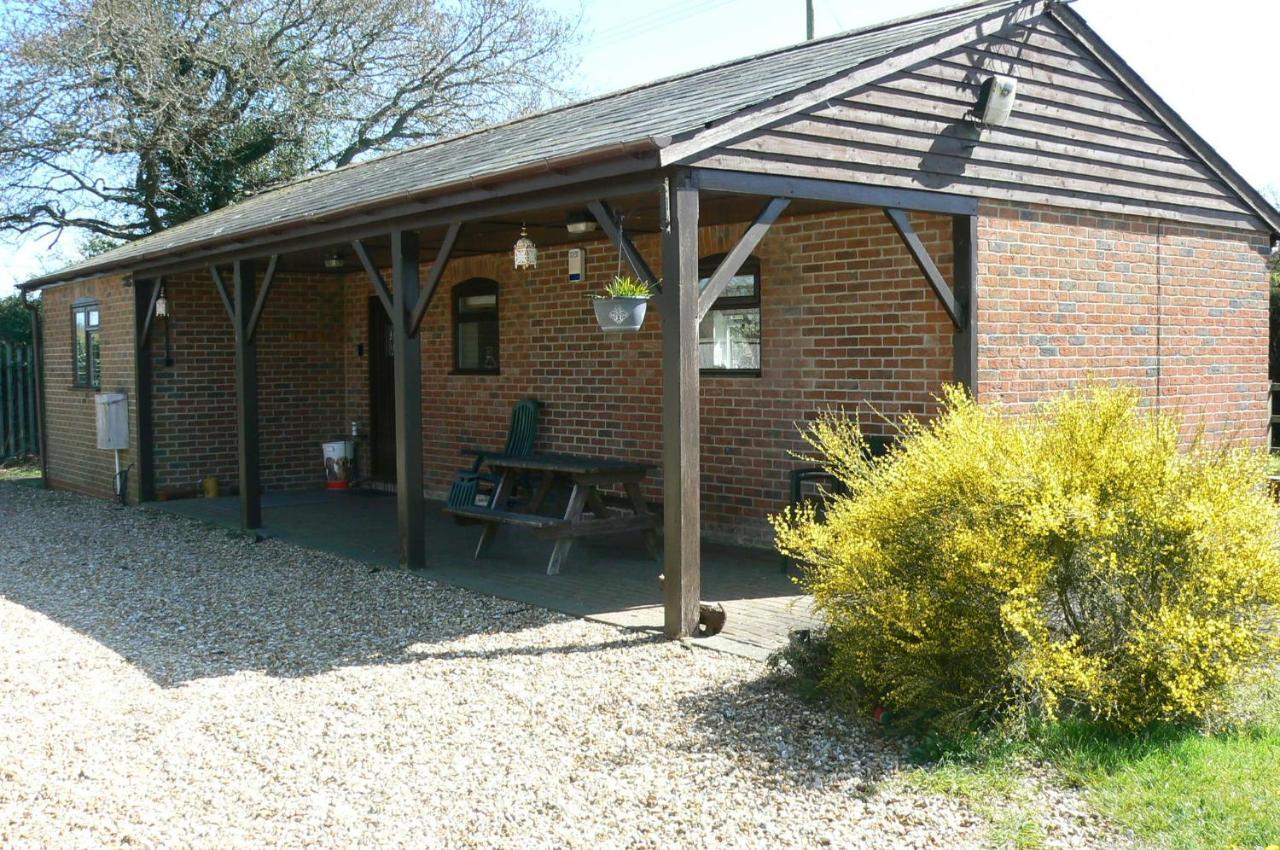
x=166 y=684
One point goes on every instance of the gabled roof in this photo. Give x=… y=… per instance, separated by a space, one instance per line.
x=644 y=117
x=669 y=119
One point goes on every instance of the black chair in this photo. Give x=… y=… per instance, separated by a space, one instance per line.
x=876 y=447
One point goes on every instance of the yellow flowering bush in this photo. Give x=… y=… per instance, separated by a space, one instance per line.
x=1079 y=559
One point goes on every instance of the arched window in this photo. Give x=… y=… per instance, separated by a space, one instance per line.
x=729 y=336
x=475 y=327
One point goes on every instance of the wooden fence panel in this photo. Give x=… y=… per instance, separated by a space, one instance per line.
x=18 y=428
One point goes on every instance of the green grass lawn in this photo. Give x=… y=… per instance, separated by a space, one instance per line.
x=21 y=470
x=1172 y=788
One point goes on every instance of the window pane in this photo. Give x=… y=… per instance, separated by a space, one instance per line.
x=730 y=339
x=740 y=286
x=95 y=359
x=477 y=303
x=478 y=345
x=81 y=345
x=93 y=317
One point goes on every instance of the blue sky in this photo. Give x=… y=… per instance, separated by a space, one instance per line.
x=1213 y=62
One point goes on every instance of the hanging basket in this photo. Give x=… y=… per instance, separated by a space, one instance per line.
x=624 y=313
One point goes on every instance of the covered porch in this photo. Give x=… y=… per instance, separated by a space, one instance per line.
x=612 y=580
x=652 y=219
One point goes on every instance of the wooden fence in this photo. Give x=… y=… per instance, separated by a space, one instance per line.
x=18 y=430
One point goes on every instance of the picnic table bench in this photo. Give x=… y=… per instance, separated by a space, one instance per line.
x=586 y=513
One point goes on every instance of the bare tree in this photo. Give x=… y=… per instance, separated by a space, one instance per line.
x=124 y=117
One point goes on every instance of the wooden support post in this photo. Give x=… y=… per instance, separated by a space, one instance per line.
x=246 y=395
x=145 y=295
x=410 y=503
x=964 y=239
x=682 y=553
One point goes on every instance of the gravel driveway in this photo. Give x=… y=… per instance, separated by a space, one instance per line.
x=166 y=684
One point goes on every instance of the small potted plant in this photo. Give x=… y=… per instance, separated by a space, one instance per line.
x=623 y=304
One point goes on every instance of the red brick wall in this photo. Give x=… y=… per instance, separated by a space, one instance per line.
x=75 y=461
x=847 y=321
x=1181 y=312
x=300 y=383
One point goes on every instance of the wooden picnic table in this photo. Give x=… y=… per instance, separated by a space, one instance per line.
x=588 y=475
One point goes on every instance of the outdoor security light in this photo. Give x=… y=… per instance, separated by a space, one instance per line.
x=995 y=101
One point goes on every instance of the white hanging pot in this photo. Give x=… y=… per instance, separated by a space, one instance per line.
x=622 y=313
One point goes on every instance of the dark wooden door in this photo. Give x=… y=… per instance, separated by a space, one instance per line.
x=382 y=394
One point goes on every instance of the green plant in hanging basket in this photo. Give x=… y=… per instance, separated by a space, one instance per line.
x=622 y=305
x=627 y=287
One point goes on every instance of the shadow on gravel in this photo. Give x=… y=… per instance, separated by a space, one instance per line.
x=185 y=598
x=182 y=601
x=760 y=724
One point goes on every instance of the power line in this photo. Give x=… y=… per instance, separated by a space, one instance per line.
x=655 y=20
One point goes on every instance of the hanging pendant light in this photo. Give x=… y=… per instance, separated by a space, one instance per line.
x=525 y=253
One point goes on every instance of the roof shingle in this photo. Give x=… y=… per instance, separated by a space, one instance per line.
x=664 y=108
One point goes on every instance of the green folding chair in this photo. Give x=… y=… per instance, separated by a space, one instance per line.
x=473 y=486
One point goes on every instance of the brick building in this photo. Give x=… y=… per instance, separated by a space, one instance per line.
x=835 y=225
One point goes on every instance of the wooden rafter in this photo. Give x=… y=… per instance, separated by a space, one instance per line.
x=928 y=268
x=433 y=277
x=612 y=228
x=732 y=262
x=375 y=276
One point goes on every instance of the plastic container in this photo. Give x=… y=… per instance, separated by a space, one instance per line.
x=339 y=464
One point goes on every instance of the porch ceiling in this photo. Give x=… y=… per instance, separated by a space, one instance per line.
x=547 y=227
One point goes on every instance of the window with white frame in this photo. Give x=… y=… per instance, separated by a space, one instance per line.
x=729 y=335
x=86 y=355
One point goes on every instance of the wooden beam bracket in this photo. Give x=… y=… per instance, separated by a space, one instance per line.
x=433 y=277
x=928 y=268
x=732 y=262
x=144 y=334
x=375 y=276
x=612 y=227
x=221 y=286
x=261 y=302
